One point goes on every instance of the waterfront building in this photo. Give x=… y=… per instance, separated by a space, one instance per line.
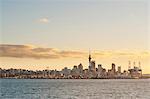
x=80 y=68
x=85 y=73
x=113 y=68
x=75 y=72
x=66 y=72
x=112 y=72
x=100 y=68
x=100 y=71
x=135 y=72
x=93 y=69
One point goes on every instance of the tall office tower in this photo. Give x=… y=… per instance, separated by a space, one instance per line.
x=113 y=68
x=119 y=69
x=93 y=66
x=100 y=68
x=80 y=67
x=75 y=67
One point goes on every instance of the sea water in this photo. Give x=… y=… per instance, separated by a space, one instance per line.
x=74 y=88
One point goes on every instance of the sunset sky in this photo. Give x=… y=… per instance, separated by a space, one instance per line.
x=35 y=34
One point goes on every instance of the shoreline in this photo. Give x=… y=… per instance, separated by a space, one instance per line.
x=76 y=78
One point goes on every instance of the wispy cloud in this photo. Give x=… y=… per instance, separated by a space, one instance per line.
x=123 y=53
x=29 y=51
x=43 y=20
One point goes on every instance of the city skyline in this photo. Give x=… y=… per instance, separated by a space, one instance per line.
x=23 y=52
x=78 y=72
x=59 y=33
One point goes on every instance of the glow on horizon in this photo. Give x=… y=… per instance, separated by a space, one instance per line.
x=35 y=57
x=55 y=64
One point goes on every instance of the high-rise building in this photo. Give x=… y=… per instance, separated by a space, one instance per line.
x=80 y=67
x=75 y=72
x=100 y=68
x=113 y=67
x=66 y=71
x=119 y=69
x=93 y=66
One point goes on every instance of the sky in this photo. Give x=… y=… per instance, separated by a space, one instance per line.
x=57 y=33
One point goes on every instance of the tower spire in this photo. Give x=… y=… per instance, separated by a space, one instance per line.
x=90 y=56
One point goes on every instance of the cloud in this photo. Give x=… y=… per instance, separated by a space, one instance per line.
x=27 y=51
x=30 y=51
x=122 y=53
x=44 y=20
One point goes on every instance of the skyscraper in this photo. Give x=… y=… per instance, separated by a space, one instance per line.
x=80 y=67
x=90 y=60
x=119 y=69
x=113 y=68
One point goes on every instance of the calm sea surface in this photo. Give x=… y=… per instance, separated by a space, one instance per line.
x=75 y=89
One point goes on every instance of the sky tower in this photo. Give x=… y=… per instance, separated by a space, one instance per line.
x=90 y=56
x=91 y=63
x=90 y=59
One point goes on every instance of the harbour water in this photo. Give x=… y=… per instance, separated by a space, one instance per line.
x=74 y=88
